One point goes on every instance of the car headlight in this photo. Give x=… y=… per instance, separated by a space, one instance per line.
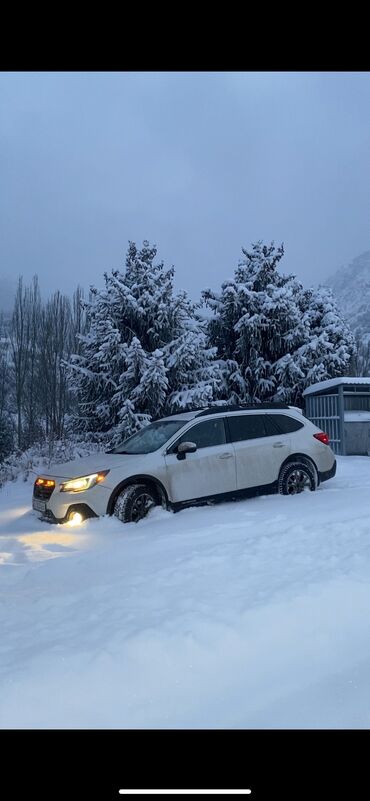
x=83 y=482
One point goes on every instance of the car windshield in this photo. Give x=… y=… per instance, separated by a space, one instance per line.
x=150 y=438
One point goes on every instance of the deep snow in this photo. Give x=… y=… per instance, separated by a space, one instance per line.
x=247 y=614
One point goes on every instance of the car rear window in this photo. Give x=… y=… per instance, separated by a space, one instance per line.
x=285 y=424
x=247 y=426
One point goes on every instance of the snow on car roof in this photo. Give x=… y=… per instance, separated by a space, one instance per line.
x=227 y=410
x=335 y=382
x=181 y=416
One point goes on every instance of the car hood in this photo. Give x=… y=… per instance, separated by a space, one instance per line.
x=94 y=464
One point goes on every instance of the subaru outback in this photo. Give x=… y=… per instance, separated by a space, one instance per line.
x=191 y=458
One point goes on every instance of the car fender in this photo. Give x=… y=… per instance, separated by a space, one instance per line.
x=140 y=478
x=294 y=457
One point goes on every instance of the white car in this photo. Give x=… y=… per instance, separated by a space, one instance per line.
x=209 y=454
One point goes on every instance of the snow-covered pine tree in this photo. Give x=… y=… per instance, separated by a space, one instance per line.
x=93 y=372
x=151 y=392
x=193 y=375
x=145 y=344
x=256 y=323
x=330 y=350
x=142 y=298
x=273 y=337
x=129 y=421
x=6 y=425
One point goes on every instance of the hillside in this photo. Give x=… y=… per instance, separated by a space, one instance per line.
x=351 y=287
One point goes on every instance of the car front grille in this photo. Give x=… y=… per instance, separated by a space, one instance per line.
x=43 y=493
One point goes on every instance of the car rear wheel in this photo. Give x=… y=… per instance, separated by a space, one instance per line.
x=134 y=503
x=296 y=477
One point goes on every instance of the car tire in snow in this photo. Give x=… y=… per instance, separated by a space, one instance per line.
x=296 y=477
x=134 y=503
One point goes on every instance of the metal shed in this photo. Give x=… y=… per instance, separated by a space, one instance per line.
x=341 y=407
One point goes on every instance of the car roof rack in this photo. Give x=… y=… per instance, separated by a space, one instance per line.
x=242 y=408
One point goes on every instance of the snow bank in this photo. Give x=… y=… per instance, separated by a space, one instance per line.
x=24 y=464
x=356 y=417
x=248 y=614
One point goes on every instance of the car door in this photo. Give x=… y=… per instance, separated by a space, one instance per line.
x=259 y=449
x=210 y=470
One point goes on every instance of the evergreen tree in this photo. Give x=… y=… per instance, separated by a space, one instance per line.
x=330 y=350
x=151 y=392
x=145 y=344
x=6 y=436
x=6 y=425
x=273 y=337
x=256 y=323
x=92 y=372
x=129 y=422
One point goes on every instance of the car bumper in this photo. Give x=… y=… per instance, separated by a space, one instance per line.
x=58 y=507
x=49 y=517
x=324 y=476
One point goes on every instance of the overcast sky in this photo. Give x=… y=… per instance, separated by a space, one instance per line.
x=199 y=163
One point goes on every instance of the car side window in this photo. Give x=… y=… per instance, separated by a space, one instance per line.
x=286 y=424
x=205 y=435
x=247 y=426
x=272 y=429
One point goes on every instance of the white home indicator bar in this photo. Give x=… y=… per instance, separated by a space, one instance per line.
x=185 y=792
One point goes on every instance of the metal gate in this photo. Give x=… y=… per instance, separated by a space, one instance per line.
x=324 y=412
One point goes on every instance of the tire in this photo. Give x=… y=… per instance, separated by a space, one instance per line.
x=134 y=503
x=295 y=477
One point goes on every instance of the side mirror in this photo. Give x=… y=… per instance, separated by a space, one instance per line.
x=184 y=448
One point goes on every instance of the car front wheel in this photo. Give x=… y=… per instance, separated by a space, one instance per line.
x=296 y=477
x=134 y=503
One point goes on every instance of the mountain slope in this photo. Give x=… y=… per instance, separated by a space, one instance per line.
x=351 y=287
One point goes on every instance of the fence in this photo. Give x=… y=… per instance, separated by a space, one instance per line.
x=326 y=412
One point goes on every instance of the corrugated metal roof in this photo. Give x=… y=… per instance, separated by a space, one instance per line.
x=335 y=382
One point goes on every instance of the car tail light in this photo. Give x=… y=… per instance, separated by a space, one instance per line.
x=322 y=437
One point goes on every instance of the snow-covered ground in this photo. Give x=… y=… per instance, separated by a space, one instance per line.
x=247 y=614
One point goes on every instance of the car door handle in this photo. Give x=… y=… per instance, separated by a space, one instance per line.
x=226 y=456
x=278 y=445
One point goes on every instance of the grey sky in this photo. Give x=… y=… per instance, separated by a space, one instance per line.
x=199 y=163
